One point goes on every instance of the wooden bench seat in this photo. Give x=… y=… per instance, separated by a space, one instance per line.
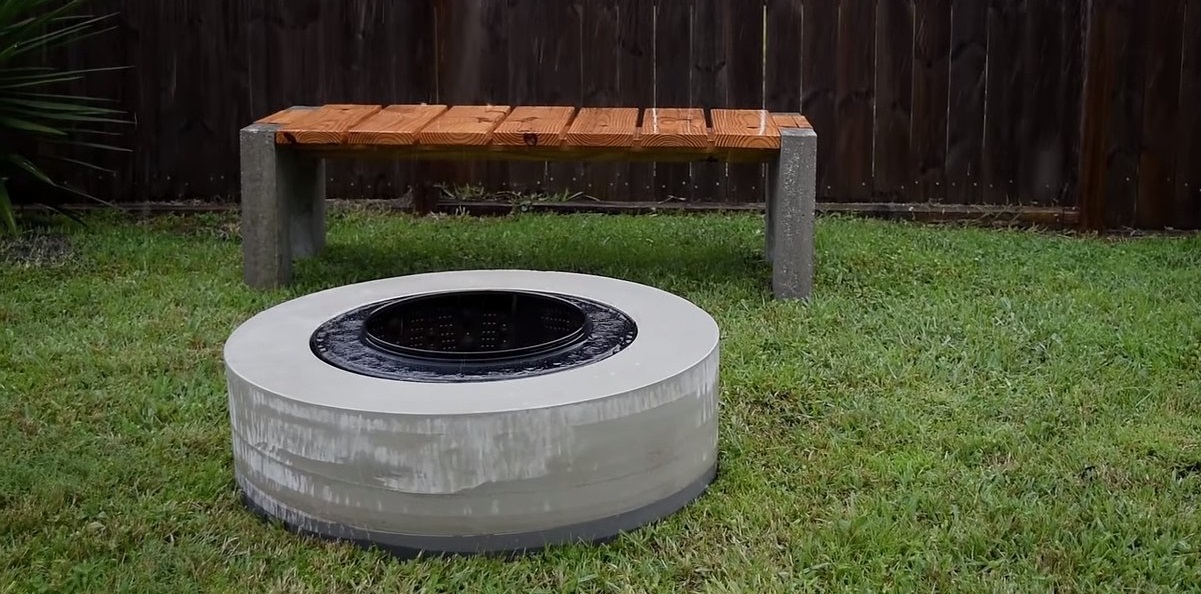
x=283 y=158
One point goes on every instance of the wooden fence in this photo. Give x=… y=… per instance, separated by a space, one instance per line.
x=1059 y=103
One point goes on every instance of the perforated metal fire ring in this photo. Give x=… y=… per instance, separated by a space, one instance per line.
x=508 y=465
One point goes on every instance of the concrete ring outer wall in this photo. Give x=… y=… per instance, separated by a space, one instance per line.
x=318 y=445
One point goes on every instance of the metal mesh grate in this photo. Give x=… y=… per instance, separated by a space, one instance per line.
x=475 y=325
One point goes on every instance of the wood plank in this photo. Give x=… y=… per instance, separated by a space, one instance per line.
x=855 y=106
x=473 y=69
x=783 y=55
x=707 y=88
x=283 y=117
x=1161 y=114
x=893 y=179
x=534 y=126
x=327 y=125
x=636 y=71
x=819 y=76
x=604 y=126
x=673 y=74
x=965 y=123
x=464 y=125
x=1071 y=90
x=999 y=162
x=395 y=124
x=1186 y=208
x=601 y=29
x=1041 y=160
x=742 y=30
x=931 y=85
x=1125 y=20
x=745 y=128
x=674 y=127
x=790 y=120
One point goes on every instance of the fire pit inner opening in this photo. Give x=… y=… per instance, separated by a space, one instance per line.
x=481 y=326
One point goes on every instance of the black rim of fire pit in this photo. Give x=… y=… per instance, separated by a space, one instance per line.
x=472 y=335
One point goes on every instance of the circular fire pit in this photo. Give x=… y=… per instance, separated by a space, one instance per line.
x=475 y=411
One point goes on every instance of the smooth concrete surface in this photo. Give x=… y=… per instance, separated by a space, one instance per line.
x=344 y=455
x=283 y=207
x=791 y=213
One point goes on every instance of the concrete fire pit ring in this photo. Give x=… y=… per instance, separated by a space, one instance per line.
x=486 y=464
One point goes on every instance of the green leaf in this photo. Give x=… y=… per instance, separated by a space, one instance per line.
x=28 y=166
x=6 y=209
x=16 y=124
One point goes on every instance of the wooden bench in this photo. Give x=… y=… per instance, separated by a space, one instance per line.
x=283 y=156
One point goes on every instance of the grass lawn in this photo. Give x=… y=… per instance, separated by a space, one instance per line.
x=956 y=410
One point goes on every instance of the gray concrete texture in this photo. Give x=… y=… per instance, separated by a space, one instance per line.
x=578 y=454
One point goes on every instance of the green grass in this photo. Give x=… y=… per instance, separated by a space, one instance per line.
x=956 y=410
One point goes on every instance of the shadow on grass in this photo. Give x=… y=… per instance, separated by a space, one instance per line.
x=693 y=266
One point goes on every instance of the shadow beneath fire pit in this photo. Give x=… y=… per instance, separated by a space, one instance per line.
x=730 y=264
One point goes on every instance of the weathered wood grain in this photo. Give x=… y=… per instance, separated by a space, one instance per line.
x=327 y=125
x=744 y=128
x=395 y=124
x=533 y=126
x=467 y=125
x=604 y=126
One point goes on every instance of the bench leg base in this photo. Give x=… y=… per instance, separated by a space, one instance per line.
x=283 y=207
x=791 y=212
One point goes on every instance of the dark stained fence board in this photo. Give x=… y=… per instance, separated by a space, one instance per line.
x=741 y=27
x=1161 y=113
x=818 y=80
x=1125 y=56
x=1071 y=94
x=636 y=71
x=855 y=99
x=965 y=125
x=557 y=69
x=783 y=55
x=1003 y=102
x=1040 y=154
x=673 y=77
x=932 y=49
x=600 y=74
x=708 y=88
x=894 y=100
x=1186 y=208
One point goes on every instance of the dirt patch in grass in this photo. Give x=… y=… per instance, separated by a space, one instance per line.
x=36 y=250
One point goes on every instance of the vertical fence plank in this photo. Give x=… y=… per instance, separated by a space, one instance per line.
x=1186 y=208
x=741 y=33
x=818 y=77
x=636 y=78
x=856 y=98
x=1003 y=102
x=707 y=89
x=673 y=82
x=1040 y=157
x=1125 y=20
x=932 y=48
x=1161 y=113
x=783 y=68
x=558 y=69
x=965 y=124
x=1070 y=102
x=601 y=81
x=894 y=100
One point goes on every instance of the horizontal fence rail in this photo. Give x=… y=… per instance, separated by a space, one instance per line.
x=1041 y=103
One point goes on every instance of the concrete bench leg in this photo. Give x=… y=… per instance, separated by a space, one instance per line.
x=283 y=207
x=791 y=208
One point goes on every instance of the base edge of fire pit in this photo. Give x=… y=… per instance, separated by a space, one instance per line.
x=411 y=546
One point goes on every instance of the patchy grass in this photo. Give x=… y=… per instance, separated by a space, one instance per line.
x=956 y=410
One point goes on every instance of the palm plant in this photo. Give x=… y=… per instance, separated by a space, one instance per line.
x=36 y=122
